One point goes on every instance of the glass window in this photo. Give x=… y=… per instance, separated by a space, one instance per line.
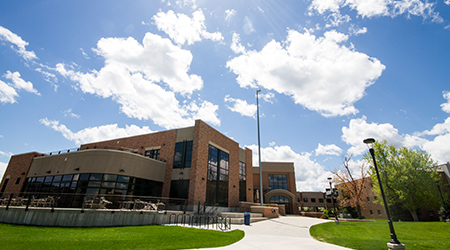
x=154 y=154
x=217 y=184
x=109 y=184
x=57 y=178
x=84 y=177
x=40 y=179
x=183 y=154
x=278 y=181
x=96 y=177
x=305 y=199
x=67 y=177
x=92 y=191
x=313 y=199
x=109 y=177
x=122 y=178
x=242 y=182
x=94 y=184
x=48 y=179
x=122 y=185
x=320 y=200
x=279 y=199
x=179 y=189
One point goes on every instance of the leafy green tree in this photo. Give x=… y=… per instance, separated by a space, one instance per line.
x=407 y=176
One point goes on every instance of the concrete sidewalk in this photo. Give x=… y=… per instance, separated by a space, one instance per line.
x=287 y=232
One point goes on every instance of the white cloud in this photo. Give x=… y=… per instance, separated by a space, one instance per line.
x=241 y=106
x=309 y=175
x=49 y=77
x=229 y=14
x=236 y=46
x=357 y=31
x=7 y=93
x=330 y=149
x=106 y=132
x=19 y=83
x=183 y=29
x=446 y=106
x=2 y=169
x=144 y=79
x=7 y=35
x=318 y=73
x=7 y=154
x=84 y=54
x=373 y=8
x=437 y=147
x=268 y=97
x=70 y=113
x=336 y=19
x=359 y=129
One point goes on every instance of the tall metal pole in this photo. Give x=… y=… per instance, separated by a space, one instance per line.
x=259 y=153
x=336 y=219
x=394 y=239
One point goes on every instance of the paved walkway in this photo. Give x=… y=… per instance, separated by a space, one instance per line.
x=288 y=232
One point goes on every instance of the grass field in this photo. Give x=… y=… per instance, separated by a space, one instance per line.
x=375 y=235
x=142 y=237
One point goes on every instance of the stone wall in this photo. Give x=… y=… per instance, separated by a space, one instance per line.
x=75 y=218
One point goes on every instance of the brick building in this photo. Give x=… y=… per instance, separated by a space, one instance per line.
x=195 y=163
x=314 y=200
x=279 y=186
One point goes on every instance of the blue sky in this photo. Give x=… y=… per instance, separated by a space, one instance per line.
x=331 y=74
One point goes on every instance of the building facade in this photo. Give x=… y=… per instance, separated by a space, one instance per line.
x=195 y=163
x=279 y=186
x=314 y=201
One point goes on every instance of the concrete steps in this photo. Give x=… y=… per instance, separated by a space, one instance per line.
x=238 y=218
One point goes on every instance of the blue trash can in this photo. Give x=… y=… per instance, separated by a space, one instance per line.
x=247 y=218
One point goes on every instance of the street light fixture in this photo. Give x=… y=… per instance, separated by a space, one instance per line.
x=394 y=243
x=259 y=152
x=336 y=219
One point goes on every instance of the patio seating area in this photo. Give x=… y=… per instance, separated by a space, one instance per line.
x=103 y=202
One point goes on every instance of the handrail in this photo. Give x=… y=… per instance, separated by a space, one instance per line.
x=84 y=201
x=200 y=221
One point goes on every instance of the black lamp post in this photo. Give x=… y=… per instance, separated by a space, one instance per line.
x=394 y=243
x=336 y=219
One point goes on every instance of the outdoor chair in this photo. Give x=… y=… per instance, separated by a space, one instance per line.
x=139 y=205
x=46 y=202
x=4 y=201
x=103 y=203
x=88 y=202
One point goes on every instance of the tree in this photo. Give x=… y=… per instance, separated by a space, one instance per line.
x=407 y=176
x=352 y=190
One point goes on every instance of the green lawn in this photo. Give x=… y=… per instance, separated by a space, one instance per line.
x=375 y=235
x=141 y=237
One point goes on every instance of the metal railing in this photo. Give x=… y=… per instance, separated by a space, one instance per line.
x=85 y=201
x=216 y=222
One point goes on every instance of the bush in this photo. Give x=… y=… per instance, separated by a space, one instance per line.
x=325 y=214
x=444 y=212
